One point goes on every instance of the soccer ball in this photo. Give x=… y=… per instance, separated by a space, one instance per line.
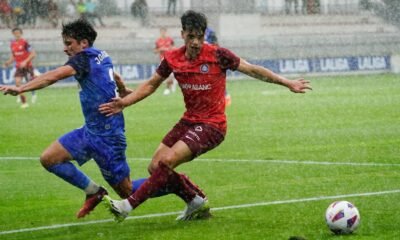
x=342 y=217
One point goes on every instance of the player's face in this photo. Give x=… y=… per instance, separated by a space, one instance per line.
x=163 y=32
x=72 y=46
x=193 y=41
x=17 y=34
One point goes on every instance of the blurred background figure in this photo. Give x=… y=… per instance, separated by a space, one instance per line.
x=31 y=9
x=165 y=43
x=92 y=13
x=6 y=13
x=18 y=12
x=53 y=13
x=171 y=7
x=292 y=6
x=140 y=9
x=70 y=11
x=22 y=54
x=81 y=9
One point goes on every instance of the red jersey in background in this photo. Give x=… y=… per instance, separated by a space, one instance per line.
x=20 y=49
x=203 y=82
x=164 y=43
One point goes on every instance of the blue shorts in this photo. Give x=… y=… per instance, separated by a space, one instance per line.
x=107 y=151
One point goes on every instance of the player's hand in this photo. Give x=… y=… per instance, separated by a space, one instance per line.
x=12 y=90
x=299 y=86
x=23 y=64
x=111 y=108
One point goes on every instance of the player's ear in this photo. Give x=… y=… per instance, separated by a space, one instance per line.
x=84 y=43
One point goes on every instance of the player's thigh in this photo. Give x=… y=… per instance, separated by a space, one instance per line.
x=77 y=144
x=54 y=154
x=172 y=156
x=185 y=142
x=109 y=154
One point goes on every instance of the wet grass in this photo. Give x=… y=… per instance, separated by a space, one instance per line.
x=347 y=119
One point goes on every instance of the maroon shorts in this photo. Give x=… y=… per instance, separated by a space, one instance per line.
x=199 y=137
x=26 y=72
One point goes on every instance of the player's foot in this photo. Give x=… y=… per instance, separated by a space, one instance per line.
x=193 y=186
x=24 y=105
x=91 y=202
x=34 y=98
x=117 y=208
x=18 y=99
x=167 y=91
x=198 y=208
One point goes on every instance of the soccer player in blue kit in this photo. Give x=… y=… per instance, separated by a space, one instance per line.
x=101 y=138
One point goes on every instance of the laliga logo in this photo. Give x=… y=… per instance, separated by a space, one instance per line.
x=204 y=68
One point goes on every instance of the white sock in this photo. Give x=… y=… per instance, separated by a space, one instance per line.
x=126 y=206
x=92 y=188
x=197 y=200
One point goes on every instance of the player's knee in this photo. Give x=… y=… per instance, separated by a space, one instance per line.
x=45 y=160
x=168 y=159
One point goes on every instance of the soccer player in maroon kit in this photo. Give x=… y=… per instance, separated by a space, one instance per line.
x=22 y=54
x=200 y=70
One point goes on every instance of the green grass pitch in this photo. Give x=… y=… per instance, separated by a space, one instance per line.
x=285 y=158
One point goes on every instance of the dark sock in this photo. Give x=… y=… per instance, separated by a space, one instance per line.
x=162 y=178
x=138 y=182
x=192 y=185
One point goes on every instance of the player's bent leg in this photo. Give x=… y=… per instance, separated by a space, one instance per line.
x=56 y=159
x=197 y=208
x=54 y=154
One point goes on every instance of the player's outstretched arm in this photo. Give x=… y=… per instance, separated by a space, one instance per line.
x=41 y=81
x=144 y=90
x=297 y=86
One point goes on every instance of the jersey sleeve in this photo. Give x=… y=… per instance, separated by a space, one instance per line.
x=227 y=59
x=28 y=47
x=80 y=63
x=164 y=70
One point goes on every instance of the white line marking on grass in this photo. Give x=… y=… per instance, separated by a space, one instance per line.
x=289 y=201
x=274 y=161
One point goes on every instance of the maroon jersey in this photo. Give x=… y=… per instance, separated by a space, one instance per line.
x=202 y=81
x=20 y=49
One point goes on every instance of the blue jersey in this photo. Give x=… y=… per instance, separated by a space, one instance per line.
x=94 y=72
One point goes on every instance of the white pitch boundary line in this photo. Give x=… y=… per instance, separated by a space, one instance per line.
x=274 y=161
x=290 y=201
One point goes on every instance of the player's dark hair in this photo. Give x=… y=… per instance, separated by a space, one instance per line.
x=16 y=29
x=79 y=29
x=192 y=20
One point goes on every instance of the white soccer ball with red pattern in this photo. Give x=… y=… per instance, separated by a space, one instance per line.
x=342 y=217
